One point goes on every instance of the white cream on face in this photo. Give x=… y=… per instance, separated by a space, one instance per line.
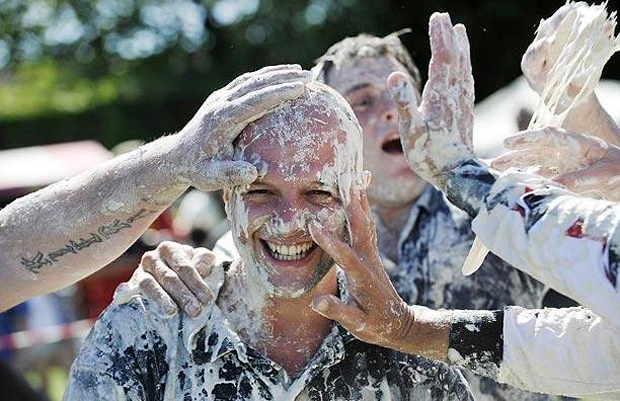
x=313 y=139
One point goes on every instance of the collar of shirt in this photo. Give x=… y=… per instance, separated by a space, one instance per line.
x=222 y=340
x=427 y=201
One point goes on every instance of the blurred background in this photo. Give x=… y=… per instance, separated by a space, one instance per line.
x=84 y=80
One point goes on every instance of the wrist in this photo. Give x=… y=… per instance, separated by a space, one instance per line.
x=426 y=333
x=468 y=184
x=162 y=161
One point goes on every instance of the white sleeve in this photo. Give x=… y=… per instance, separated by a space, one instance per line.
x=568 y=242
x=569 y=351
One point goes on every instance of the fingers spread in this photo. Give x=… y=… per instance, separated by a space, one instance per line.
x=335 y=309
x=254 y=105
x=171 y=284
x=342 y=254
x=181 y=263
x=151 y=290
x=249 y=75
x=222 y=174
x=270 y=78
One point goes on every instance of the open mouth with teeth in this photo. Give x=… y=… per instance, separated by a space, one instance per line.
x=297 y=252
x=392 y=146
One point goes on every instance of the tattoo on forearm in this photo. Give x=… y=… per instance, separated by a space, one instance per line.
x=104 y=233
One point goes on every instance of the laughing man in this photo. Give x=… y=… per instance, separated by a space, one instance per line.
x=261 y=339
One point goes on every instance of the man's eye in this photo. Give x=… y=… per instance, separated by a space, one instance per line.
x=363 y=103
x=320 y=195
x=258 y=192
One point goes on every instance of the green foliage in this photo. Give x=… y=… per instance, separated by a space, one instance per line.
x=123 y=69
x=46 y=87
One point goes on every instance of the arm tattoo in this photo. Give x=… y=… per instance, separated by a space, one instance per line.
x=74 y=246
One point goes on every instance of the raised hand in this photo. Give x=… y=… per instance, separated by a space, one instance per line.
x=175 y=276
x=543 y=52
x=576 y=42
x=204 y=147
x=584 y=164
x=437 y=135
x=375 y=313
x=555 y=33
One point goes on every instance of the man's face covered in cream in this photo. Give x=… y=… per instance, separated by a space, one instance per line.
x=309 y=155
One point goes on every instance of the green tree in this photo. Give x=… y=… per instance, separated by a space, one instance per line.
x=121 y=69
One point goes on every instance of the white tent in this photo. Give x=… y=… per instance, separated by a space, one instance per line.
x=38 y=166
x=497 y=115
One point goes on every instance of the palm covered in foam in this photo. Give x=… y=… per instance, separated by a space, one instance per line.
x=437 y=135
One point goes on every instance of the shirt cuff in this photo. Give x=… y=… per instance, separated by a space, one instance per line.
x=476 y=341
x=468 y=185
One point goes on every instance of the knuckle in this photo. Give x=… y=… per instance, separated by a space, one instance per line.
x=184 y=268
x=169 y=277
x=349 y=260
x=202 y=252
x=147 y=284
x=206 y=259
x=148 y=259
x=166 y=246
x=122 y=291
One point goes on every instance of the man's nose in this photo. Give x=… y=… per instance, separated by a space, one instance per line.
x=288 y=214
x=289 y=210
x=389 y=115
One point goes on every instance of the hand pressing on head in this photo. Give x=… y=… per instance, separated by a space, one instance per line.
x=584 y=164
x=437 y=134
x=375 y=313
x=175 y=276
x=202 y=153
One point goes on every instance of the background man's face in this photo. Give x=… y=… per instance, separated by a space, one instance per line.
x=362 y=81
x=298 y=147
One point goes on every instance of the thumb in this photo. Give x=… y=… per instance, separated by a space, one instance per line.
x=124 y=293
x=335 y=309
x=403 y=95
x=222 y=174
x=409 y=119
